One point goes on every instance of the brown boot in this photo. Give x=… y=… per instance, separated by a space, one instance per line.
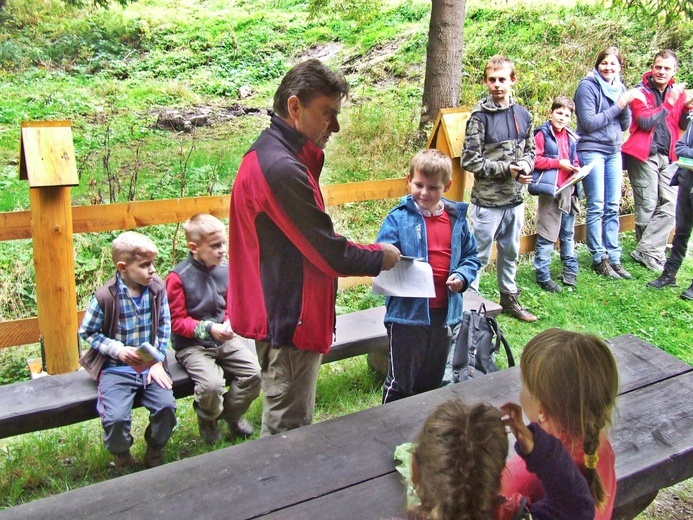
x=123 y=460
x=153 y=457
x=511 y=305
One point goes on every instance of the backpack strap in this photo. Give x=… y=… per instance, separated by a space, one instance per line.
x=500 y=338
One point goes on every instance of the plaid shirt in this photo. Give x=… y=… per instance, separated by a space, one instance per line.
x=134 y=324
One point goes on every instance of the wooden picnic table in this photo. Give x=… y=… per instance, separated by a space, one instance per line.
x=344 y=467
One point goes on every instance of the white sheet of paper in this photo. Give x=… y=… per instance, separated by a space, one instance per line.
x=410 y=277
x=577 y=176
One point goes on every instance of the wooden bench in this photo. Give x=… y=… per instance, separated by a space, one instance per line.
x=344 y=469
x=52 y=401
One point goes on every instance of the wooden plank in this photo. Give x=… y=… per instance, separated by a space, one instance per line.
x=132 y=215
x=270 y=474
x=337 y=194
x=59 y=400
x=23 y=332
x=47 y=154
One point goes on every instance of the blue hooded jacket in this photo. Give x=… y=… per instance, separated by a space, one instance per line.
x=404 y=227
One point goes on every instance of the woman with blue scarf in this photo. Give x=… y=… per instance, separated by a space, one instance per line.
x=601 y=107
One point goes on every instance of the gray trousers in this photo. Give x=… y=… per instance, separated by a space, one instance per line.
x=210 y=367
x=504 y=226
x=655 y=203
x=289 y=380
x=117 y=394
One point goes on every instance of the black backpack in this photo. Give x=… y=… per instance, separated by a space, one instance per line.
x=477 y=343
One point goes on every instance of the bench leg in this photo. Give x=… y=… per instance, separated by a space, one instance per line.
x=634 y=508
x=378 y=360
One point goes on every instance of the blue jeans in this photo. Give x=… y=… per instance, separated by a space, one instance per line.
x=603 y=194
x=542 y=258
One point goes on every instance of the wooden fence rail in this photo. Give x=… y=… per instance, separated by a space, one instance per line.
x=132 y=215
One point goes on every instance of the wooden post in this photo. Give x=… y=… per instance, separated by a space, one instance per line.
x=47 y=161
x=448 y=137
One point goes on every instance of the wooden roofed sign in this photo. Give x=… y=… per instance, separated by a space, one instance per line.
x=448 y=137
x=47 y=154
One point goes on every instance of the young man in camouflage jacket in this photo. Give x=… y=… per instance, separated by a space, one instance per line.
x=499 y=151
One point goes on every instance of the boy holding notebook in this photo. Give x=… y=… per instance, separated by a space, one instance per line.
x=555 y=148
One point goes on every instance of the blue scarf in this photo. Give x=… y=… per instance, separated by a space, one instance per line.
x=611 y=90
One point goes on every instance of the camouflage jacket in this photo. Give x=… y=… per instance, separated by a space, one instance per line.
x=495 y=137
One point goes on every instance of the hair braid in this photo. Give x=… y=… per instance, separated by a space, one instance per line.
x=461 y=453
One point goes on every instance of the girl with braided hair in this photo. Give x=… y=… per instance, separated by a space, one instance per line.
x=569 y=387
x=460 y=454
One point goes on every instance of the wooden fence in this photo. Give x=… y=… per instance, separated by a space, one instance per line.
x=447 y=135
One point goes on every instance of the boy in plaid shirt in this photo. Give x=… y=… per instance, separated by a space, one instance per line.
x=128 y=327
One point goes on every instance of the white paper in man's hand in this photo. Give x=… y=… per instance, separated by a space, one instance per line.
x=410 y=277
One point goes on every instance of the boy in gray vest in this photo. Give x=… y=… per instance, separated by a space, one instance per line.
x=127 y=325
x=201 y=334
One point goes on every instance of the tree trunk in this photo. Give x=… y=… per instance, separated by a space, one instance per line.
x=443 y=58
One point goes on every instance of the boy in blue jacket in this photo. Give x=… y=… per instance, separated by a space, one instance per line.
x=427 y=226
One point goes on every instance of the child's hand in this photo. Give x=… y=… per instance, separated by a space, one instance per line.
x=513 y=420
x=159 y=376
x=129 y=356
x=455 y=283
x=565 y=164
x=222 y=331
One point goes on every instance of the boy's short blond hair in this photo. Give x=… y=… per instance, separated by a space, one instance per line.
x=198 y=227
x=498 y=62
x=130 y=245
x=432 y=163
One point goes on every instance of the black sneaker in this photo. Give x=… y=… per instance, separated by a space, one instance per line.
x=550 y=286
x=688 y=293
x=569 y=279
x=603 y=268
x=621 y=271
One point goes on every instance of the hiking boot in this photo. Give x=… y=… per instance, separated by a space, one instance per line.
x=647 y=261
x=604 y=268
x=550 y=286
x=240 y=428
x=688 y=293
x=209 y=430
x=569 y=279
x=123 y=460
x=621 y=271
x=153 y=457
x=668 y=277
x=511 y=305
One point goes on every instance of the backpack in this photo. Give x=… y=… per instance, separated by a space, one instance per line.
x=477 y=343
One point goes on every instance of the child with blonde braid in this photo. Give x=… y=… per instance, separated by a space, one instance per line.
x=569 y=387
x=460 y=454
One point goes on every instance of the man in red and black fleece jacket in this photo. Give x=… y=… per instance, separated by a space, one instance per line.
x=284 y=255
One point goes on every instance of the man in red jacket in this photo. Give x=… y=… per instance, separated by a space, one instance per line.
x=657 y=117
x=284 y=255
